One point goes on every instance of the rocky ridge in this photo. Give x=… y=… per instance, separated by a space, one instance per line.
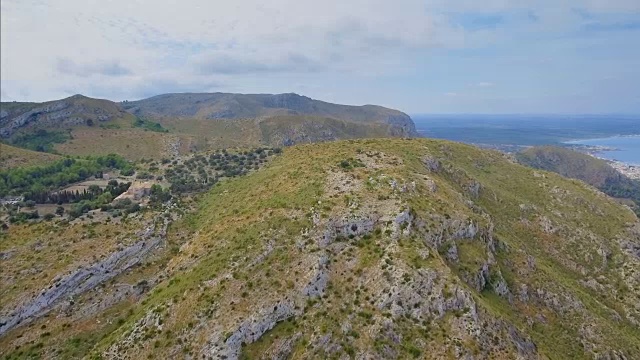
x=65 y=288
x=384 y=249
x=403 y=256
x=72 y=111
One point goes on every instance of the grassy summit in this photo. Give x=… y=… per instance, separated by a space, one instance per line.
x=383 y=249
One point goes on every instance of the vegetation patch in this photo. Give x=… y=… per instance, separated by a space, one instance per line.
x=201 y=172
x=149 y=125
x=36 y=181
x=41 y=140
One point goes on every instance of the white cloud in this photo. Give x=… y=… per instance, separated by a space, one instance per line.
x=132 y=48
x=484 y=84
x=107 y=68
x=59 y=42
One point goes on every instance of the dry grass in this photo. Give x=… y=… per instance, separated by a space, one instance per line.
x=36 y=258
x=11 y=157
x=133 y=144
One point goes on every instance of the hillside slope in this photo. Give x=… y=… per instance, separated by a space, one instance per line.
x=72 y=111
x=176 y=124
x=575 y=165
x=391 y=249
x=237 y=106
x=377 y=249
x=11 y=157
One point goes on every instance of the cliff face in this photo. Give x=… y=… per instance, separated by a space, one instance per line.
x=72 y=111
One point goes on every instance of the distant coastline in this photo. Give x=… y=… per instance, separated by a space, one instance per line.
x=613 y=138
x=630 y=166
x=622 y=148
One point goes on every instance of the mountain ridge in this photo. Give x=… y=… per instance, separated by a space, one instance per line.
x=178 y=123
x=72 y=111
x=234 y=106
x=369 y=248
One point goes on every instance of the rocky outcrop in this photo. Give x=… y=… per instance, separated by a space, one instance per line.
x=315 y=288
x=73 y=111
x=252 y=329
x=348 y=226
x=83 y=279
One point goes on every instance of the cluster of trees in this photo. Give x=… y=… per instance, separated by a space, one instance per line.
x=149 y=125
x=201 y=172
x=158 y=196
x=41 y=140
x=93 y=192
x=624 y=188
x=125 y=206
x=91 y=198
x=20 y=217
x=41 y=179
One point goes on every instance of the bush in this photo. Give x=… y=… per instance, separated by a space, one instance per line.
x=144 y=176
x=133 y=208
x=127 y=172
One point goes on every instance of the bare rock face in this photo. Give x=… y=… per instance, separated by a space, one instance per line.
x=85 y=279
x=76 y=110
x=253 y=328
x=432 y=164
x=452 y=252
x=526 y=348
x=500 y=286
x=318 y=284
x=345 y=227
x=482 y=277
x=474 y=189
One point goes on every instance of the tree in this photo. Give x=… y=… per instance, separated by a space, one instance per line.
x=59 y=211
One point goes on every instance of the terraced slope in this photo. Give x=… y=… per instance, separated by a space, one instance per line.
x=388 y=249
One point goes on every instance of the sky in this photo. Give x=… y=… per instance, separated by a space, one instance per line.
x=437 y=56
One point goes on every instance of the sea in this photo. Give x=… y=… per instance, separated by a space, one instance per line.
x=625 y=149
x=619 y=133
